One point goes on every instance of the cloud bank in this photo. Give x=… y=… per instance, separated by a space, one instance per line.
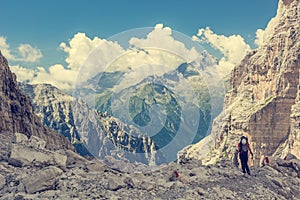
x=157 y=53
x=88 y=56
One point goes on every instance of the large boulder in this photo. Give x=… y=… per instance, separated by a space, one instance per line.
x=23 y=156
x=44 y=179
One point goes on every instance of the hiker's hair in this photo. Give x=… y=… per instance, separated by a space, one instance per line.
x=244 y=137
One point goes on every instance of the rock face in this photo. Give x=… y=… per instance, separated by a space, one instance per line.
x=16 y=111
x=263 y=103
x=92 y=179
x=91 y=133
x=292 y=145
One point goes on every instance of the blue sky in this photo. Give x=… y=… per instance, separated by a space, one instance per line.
x=46 y=24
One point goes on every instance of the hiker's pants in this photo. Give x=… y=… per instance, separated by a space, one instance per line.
x=244 y=162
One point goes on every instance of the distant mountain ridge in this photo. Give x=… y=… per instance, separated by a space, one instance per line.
x=90 y=132
x=182 y=100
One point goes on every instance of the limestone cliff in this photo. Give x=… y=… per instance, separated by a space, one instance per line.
x=263 y=103
x=16 y=112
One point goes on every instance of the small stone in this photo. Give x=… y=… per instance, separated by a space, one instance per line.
x=276 y=181
x=21 y=187
x=201 y=191
x=169 y=184
x=113 y=185
x=19 y=197
x=128 y=183
x=2 y=181
x=148 y=186
x=294 y=174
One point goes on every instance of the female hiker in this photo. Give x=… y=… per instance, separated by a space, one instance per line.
x=243 y=148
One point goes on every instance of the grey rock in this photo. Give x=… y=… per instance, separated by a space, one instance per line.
x=74 y=158
x=290 y=156
x=114 y=184
x=19 y=197
x=284 y=163
x=129 y=184
x=2 y=181
x=24 y=156
x=21 y=138
x=296 y=165
x=5 y=140
x=201 y=191
x=277 y=181
x=21 y=187
x=95 y=167
x=42 y=180
x=36 y=142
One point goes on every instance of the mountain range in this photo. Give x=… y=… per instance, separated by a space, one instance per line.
x=174 y=109
x=91 y=133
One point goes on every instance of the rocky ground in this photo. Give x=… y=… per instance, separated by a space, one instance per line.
x=29 y=171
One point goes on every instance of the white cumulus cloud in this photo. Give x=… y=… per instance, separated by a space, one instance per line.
x=259 y=37
x=23 y=74
x=233 y=48
x=80 y=48
x=24 y=52
x=5 y=49
x=161 y=38
x=57 y=75
x=28 y=53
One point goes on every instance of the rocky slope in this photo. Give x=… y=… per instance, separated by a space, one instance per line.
x=16 y=112
x=264 y=101
x=30 y=171
x=91 y=133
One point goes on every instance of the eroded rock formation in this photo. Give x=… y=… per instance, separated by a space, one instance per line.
x=263 y=103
